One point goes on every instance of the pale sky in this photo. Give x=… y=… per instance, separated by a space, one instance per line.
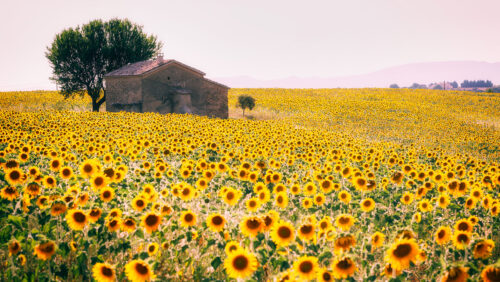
x=262 y=39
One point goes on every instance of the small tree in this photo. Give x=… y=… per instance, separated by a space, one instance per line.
x=246 y=102
x=394 y=85
x=81 y=56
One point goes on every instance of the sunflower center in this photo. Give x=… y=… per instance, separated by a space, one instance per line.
x=306 y=267
x=253 y=223
x=240 y=262
x=47 y=248
x=463 y=226
x=217 y=220
x=94 y=212
x=151 y=248
x=98 y=181
x=462 y=238
x=15 y=175
x=140 y=203
x=10 y=190
x=113 y=223
x=87 y=168
x=142 y=269
x=344 y=264
x=344 y=220
x=441 y=234
x=252 y=204
x=188 y=217
x=327 y=276
x=493 y=274
x=186 y=191
x=402 y=250
x=367 y=204
x=106 y=194
x=151 y=220
x=106 y=271
x=15 y=246
x=230 y=195
x=284 y=232
x=306 y=229
x=79 y=217
x=323 y=225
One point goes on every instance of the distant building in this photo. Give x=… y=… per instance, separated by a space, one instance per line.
x=164 y=86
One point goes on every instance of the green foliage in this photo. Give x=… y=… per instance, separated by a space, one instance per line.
x=81 y=56
x=246 y=102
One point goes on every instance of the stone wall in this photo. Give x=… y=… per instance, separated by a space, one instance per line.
x=156 y=92
x=124 y=94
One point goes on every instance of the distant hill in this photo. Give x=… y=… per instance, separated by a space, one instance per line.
x=404 y=75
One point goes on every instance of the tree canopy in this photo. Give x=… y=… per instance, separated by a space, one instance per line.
x=246 y=102
x=81 y=56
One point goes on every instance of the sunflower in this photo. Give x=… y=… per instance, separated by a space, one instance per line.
x=98 y=181
x=139 y=271
x=326 y=186
x=231 y=247
x=367 y=205
x=33 y=189
x=309 y=189
x=295 y=189
x=128 y=225
x=139 y=203
x=186 y=193
x=151 y=221
x=407 y=198
x=470 y=203
x=76 y=219
x=66 y=172
x=319 y=199
x=307 y=203
x=377 y=240
x=461 y=239
x=88 y=168
x=55 y=164
x=240 y=264
x=14 y=176
x=283 y=233
x=188 y=218
x=325 y=223
x=442 y=235
x=251 y=226
x=268 y=220
x=281 y=200
x=9 y=193
x=103 y=272
x=344 y=221
x=57 y=209
x=390 y=272
x=152 y=248
x=456 y=274
x=113 y=224
x=107 y=194
x=215 y=222
x=401 y=253
x=46 y=250
x=14 y=247
x=491 y=273
x=264 y=196
x=464 y=225
x=483 y=249
x=344 y=243
x=343 y=268
x=443 y=200
x=306 y=232
x=345 y=197
x=232 y=196
x=306 y=267
x=94 y=214
x=323 y=275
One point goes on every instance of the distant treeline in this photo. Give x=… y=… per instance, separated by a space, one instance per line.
x=448 y=85
x=476 y=83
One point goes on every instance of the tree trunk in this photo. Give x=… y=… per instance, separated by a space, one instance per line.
x=243 y=112
x=95 y=106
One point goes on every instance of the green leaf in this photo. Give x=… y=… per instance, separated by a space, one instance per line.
x=216 y=262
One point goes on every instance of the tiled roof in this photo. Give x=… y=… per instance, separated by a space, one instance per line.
x=143 y=67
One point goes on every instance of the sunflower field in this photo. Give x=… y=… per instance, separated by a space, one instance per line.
x=322 y=184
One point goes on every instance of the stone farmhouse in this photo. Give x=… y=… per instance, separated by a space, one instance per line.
x=164 y=86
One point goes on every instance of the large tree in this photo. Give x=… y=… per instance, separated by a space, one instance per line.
x=81 y=56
